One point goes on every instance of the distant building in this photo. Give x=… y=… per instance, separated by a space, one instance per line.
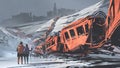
x=25 y=17
x=59 y=12
x=55 y=9
x=22 y=17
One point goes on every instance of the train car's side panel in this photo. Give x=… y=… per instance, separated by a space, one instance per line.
x=113 y=18
x=77 y=35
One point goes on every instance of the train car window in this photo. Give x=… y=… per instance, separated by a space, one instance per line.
x=80 y=30
x=58 y=40
x=86 y=27
x=66 y=35
x=53 y=42
x=72 y=33
x=47 y=45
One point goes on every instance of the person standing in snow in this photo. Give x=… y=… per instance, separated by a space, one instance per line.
x=26 y=54
x=20 y=50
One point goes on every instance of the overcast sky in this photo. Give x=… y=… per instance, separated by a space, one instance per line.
x=39 y=7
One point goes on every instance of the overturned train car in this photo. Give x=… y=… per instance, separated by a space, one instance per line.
x=87 y=33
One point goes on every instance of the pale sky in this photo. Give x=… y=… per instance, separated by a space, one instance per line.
x=39 y=7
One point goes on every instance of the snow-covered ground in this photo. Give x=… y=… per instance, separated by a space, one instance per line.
x=97 y=60
x=9 y=42
x=37 y=62
x=12 y=34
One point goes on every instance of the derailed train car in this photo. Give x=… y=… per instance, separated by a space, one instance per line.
x=84 y=33
x=87 y=33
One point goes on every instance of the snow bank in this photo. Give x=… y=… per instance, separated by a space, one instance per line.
x=46 y=25
x=9 y=42
x=64 y=21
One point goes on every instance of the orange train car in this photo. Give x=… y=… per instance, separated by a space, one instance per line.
x=49 y=46
x=38 y=50
x=86 y=33
x=83 y=33
x=77 y=35
x=113 y=22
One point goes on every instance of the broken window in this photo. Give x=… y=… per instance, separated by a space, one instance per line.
x=66 y=35
x=80 y=30
x=86 y=28
x=72 y=33
x=58 y=40
x=53 y=42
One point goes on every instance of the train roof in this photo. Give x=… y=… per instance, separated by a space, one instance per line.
x=98 y=14
x=81 y=20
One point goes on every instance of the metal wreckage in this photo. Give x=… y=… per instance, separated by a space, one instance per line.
x=87 y=34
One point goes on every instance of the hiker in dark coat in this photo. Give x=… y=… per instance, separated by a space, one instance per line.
x=26 y=54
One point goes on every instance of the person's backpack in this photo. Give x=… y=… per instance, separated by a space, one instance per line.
x=20 y=49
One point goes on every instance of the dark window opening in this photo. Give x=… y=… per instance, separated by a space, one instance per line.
x=66 y=35
x=108 y=20
x=47 y=45
x=53 y=42
x=80 y=30
x=119 y=8
x=58 y=40
x=98 y=30
x=72 y=33
x=115 y=38
x=86 y=27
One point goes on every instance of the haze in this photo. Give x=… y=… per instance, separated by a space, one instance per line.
x=39 y=7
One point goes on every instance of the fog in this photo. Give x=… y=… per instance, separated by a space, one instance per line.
x=39 y=7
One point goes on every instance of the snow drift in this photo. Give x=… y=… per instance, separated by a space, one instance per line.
x=9 y=41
